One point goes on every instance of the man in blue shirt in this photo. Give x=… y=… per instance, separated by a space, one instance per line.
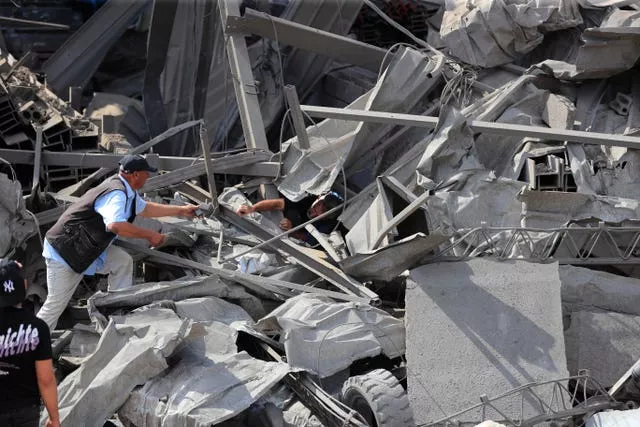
x=80 y=243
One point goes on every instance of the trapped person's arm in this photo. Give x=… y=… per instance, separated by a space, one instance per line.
x=157 y=210
x=262 y=206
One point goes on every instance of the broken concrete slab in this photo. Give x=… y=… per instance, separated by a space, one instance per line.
x=480 y=326
x=583 y=288
x=606 y=343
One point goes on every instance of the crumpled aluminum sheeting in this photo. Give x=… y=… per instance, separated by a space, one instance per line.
x=175 y=290
x=517 y=102
x=478 y=197
x=451 y=149
x=335 y=143
x=498 y=153
x=448 y=150
x=402 y=169
x=608 y=50
x=618 y=168
x=208 y=308
x=388 y=262
x=324 y=337
x=18 y=224
x=550 y=209
x=209 y=381
x=132 y=350
x=203 y=391
x=488 y=33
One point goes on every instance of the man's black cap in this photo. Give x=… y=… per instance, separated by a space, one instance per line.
x=12 y=291
x=135 y=163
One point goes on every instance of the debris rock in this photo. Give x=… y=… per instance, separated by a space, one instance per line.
x=606 y=343
x=481 y=326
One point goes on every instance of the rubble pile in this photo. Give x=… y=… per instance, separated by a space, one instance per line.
x=481 y=266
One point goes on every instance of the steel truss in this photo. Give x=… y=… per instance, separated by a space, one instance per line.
x=566 y=402
x=600 y=244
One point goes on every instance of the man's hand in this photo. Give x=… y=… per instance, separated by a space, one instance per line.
x=189 y=211
x=156 y=239
x=285 y=224
x=55 y=423
x=245 y=210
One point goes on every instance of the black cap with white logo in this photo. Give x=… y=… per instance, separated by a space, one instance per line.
x=12 y=291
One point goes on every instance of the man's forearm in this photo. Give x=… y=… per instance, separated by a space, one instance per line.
x=157 y=210
x=269 y=205
x=48 y=387
x=125 y=229
x=49 y=394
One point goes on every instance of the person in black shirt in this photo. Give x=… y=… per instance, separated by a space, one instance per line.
x=296 y=213
x=26 y=367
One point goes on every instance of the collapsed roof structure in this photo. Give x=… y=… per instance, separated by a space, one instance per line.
x=486 y=152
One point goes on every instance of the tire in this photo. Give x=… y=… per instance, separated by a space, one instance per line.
x=379 y=398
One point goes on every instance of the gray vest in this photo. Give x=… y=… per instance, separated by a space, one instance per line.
x=80 y=235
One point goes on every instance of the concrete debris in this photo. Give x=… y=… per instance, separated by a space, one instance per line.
x=606 y=343
x=491 y=326
x=423 y=201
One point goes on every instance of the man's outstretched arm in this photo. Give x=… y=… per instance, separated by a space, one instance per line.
x=262 y=206
x=157 y=210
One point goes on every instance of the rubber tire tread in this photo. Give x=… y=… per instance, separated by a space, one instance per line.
x=385 y=396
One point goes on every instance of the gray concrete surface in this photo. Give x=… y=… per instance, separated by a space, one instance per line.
x=605 y=343
x=481 y=327
x=583 y=288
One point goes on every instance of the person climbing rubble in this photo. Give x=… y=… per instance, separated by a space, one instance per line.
x=296 y=213
x=26 y=367
x=80 y=242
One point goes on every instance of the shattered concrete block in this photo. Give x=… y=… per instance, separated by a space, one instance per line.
x=559 y=112
x=605 y=343
x=582 y=287
x=481 y=327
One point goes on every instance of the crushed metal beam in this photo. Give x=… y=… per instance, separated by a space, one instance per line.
x=255 y=283
x=243 y=81
x=6 y=21
x=507 y=129
x=340 y=48
x=296 y=117
x=98 y=175
x=249 y=163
